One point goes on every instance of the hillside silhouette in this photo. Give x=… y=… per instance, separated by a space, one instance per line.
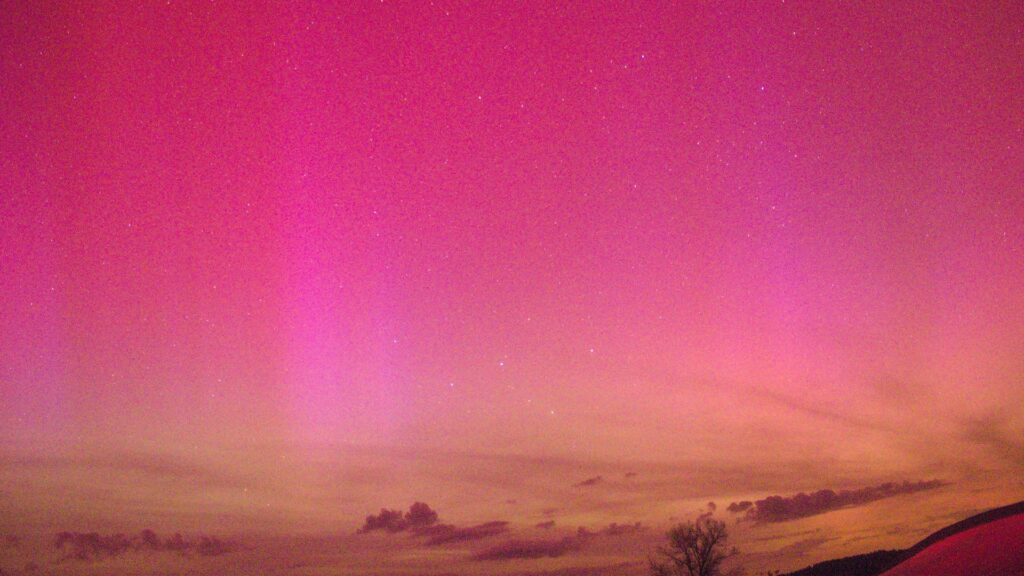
x=880 y=561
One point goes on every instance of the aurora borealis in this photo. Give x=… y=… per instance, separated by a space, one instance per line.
x=266 y=268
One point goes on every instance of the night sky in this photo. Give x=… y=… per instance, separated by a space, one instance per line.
x=267 y=269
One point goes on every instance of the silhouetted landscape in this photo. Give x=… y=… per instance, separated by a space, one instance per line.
x=878 y=562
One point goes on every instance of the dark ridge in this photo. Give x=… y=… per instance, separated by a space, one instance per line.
x=967 y=524
x=870 y=564
x=877 y=562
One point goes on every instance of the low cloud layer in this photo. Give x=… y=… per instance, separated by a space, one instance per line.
x=783 y=508
x=447 y=534
x=737 y=507
x=92 y=545
x=422 y=521
x=614 y=529
x=514 y=549
x=589 y=482
x=610 y=570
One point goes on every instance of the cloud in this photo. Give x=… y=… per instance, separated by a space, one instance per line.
x=545 y=525
x=616 y=569
x=589 y=482
x=82 y=546
x=737 y=507
x=92 y=545
x=995 y=434
x=432 y=530
x=390 y=520
x=422 y=521
x=132 y=469
x=614 y=529
x=783 y=508
x=177 y=543
x=515 y=549
x=148 y=540
x=801 y=548
x=212 y=546
x=419 y=515
x=789 y=552
x=448 y=534
x=787 y=535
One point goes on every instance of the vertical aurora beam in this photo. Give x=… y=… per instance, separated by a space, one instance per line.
x=33 y=376
x=34 y=395
x=340 y=322
x=342 y=369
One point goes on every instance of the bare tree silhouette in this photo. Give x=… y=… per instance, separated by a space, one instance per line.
x=694 y=549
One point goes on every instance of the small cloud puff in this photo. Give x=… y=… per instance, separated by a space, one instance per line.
x=589 y=482
x=613 y=529
x=419 y=515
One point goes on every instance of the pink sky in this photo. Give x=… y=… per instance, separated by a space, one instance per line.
x=268 y=269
